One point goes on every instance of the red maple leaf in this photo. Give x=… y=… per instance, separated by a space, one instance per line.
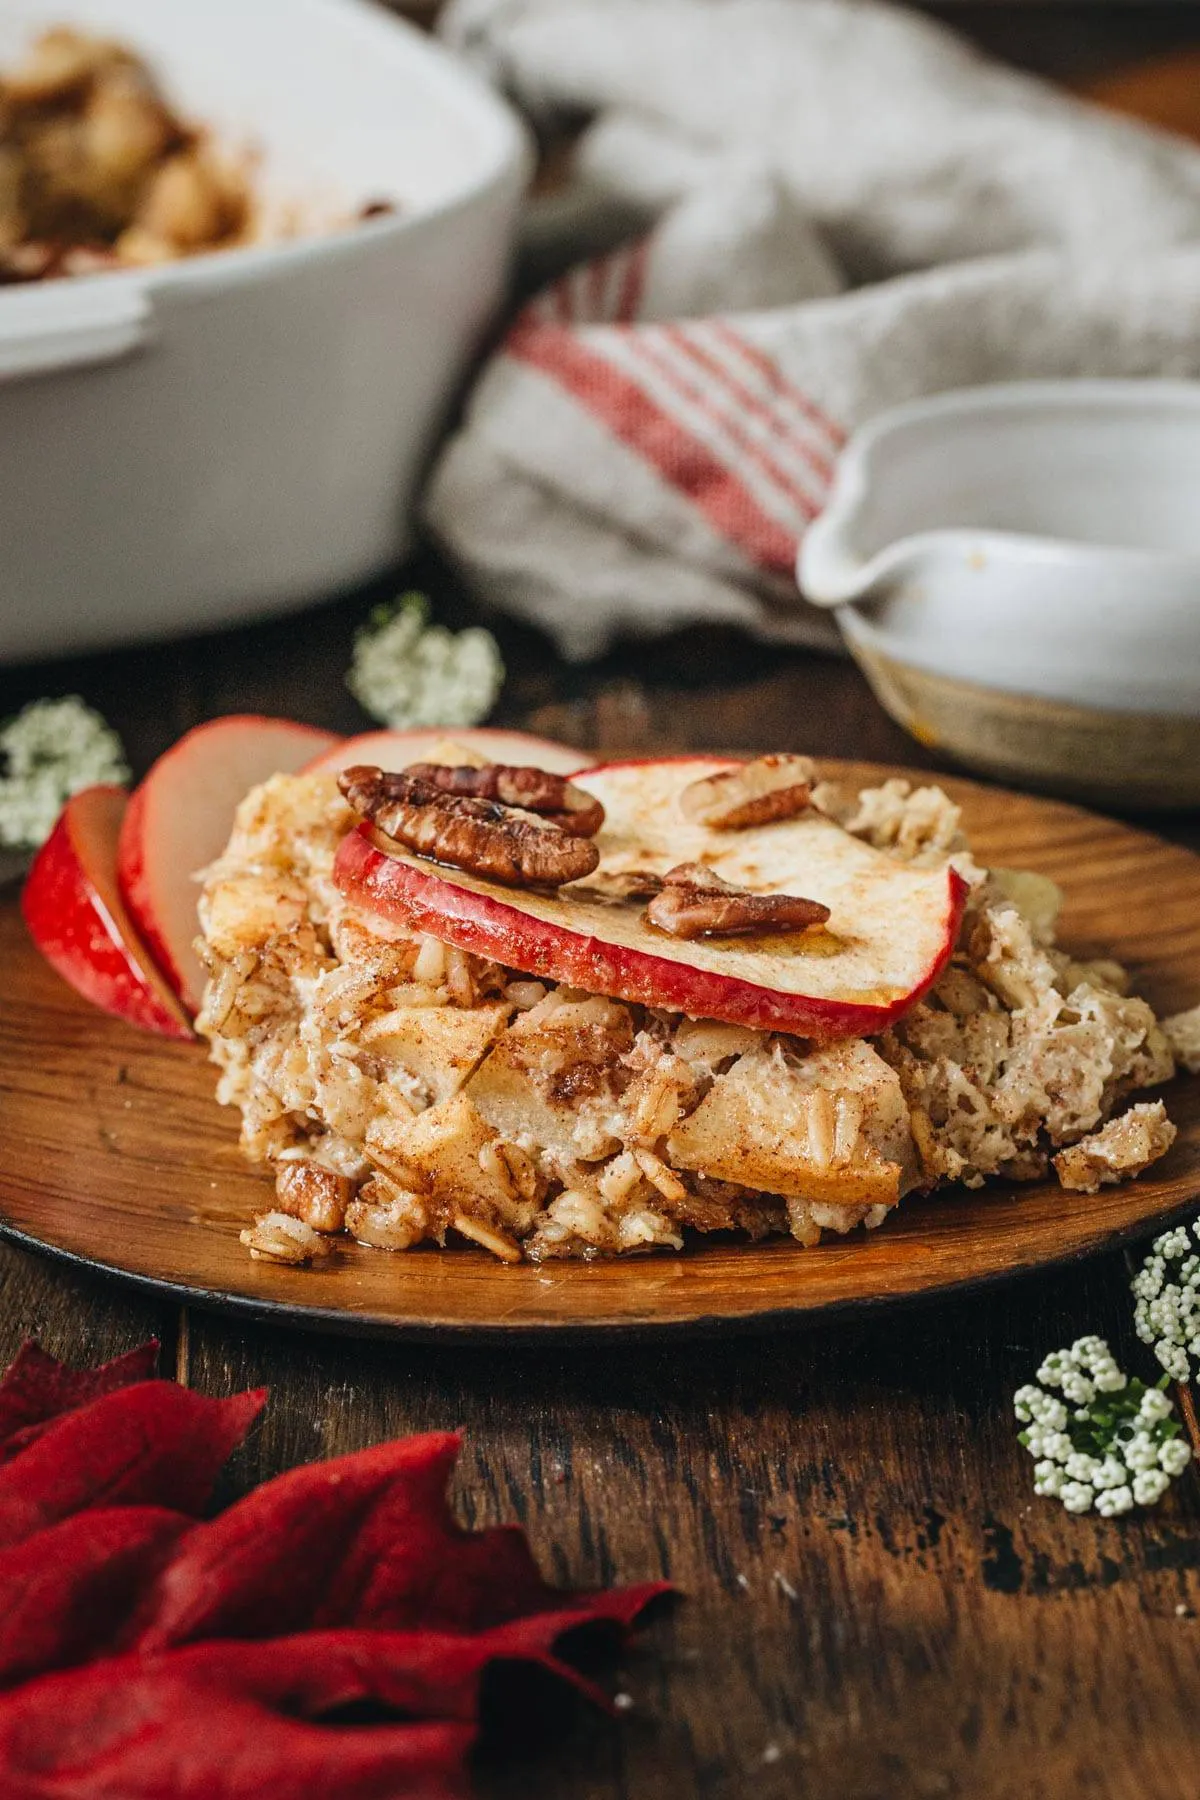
x=146 y=1654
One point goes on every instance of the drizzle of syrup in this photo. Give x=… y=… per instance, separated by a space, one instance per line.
x=816 y=940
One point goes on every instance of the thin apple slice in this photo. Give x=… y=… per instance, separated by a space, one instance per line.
x=396 y=749
x=890 y=932
x=77 y=919
x=179 y=820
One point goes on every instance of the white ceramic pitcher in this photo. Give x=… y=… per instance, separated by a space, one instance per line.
x=1017 y=569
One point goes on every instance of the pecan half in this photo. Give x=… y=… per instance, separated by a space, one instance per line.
x=535 y=790
x=758 y=793
x=501 y=843
x=308 y=1191
x=695 y=902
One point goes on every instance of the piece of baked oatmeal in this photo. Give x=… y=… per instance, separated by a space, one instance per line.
x=404 y=1087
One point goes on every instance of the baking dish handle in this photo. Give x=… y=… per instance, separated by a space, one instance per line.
x=68 y=324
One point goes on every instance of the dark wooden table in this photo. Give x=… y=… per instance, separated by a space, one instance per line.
x=876 y=1603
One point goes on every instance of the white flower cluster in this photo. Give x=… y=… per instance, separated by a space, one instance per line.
x=1167 y=1291
x=407 y=672
x=1114 y=1447
x=48 y=752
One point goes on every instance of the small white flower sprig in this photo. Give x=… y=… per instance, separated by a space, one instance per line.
x=1167 y=1293
x=49 y=751
x=407 y=672
x=1108 y=1441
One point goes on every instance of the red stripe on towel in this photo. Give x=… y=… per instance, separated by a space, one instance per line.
x=680 y=458
x=718 y=372
x=724 y=421
x=771 y=372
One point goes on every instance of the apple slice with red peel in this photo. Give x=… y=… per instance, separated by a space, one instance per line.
x=396 y=749
x=179 y=820
x=890 y=933
x=78 y=921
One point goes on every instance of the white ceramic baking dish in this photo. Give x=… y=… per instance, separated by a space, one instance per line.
x=241 y=432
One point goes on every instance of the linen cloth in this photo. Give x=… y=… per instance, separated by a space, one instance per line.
x=823 y=207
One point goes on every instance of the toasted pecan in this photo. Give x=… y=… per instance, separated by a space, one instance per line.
x=695 y=902
x=307 y=1190
x=756 y=793
x=534 y=790
x=485 y=837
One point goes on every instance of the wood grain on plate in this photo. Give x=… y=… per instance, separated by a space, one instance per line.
x=117 y=1153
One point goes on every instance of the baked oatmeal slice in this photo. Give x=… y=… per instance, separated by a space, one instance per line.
x=405 y=1088
x=826 y=1130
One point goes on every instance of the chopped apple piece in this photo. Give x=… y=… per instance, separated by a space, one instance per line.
x=550 y=1074
x=831 y=1127
x=248 y=909
x=444 y=1152
x=437 y=1046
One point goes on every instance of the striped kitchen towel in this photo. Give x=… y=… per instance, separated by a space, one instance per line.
x=842 y=207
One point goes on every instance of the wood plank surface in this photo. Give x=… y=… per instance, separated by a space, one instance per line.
x=876 y=1604
x=77 y=1316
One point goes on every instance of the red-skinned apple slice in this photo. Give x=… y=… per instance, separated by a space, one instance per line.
x=179 y=820
x=890 y=933
x=396 y=749
x=76 y=917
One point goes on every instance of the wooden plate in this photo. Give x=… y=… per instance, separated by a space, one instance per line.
x=116 y=1154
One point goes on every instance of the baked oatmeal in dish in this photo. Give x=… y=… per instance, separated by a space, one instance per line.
x=579 y=1017
x=99 y=171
